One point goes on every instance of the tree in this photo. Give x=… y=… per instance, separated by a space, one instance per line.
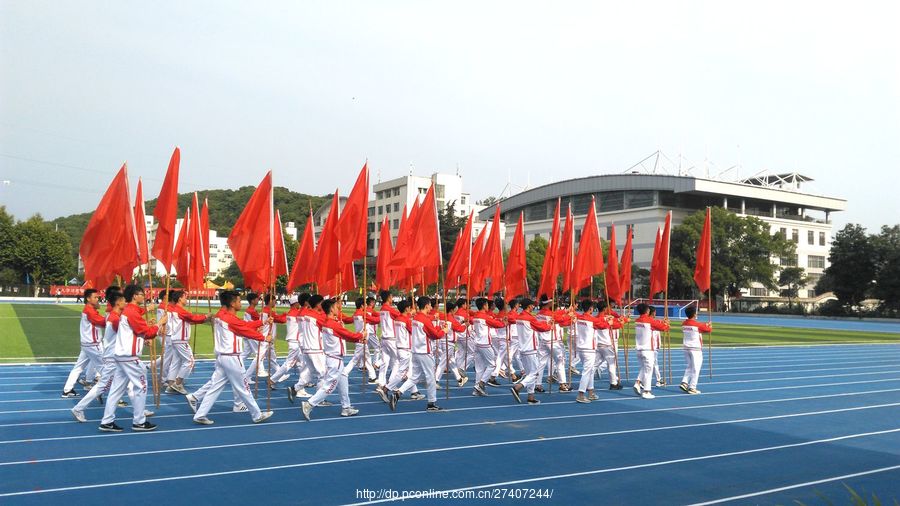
x=792 y=278
x=534 y=260
x=887 y=265
x=487 y=202
x=852 y=267
x=233 y=274
x=7 y=237
x=41 y=253
x=742 y=249
x=450 y=225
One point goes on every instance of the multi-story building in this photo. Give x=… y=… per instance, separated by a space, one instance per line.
x=642 y=200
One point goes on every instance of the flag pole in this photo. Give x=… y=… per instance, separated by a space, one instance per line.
x=624 y=341
x=365 y=352
x=446 y=371
x=552 y=338
x=162 y=343
x=709 y=340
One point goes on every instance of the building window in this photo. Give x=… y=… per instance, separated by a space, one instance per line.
x=396 y=224
x=810 y=294
x=462 y=200
x=577 y=236
x=370 y=244
x=380 y=209
x=396 y=192
x=536 y=212
x=758 y=292
x=821 y=238
x=815 y=262
x=371 y=211
x=783 y=232
x=371 y=227
x=789 y=261
x=810 y=237
x=795 y=236
x=396 y=207
x=439 y=191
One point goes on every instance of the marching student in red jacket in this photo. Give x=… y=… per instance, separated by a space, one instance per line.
x=465 y=344
x=267 y=358
x=251 y=347
x=424 y=336
x=450 y=340
x=132 y=333
x=586 y=329
x=365 y=320
x=527 y=327
x=693 y=349
x=646 y=343
x=91 y=330
x=482 y=324
x=229 y=333
x=386 y=316
x=333 y=336
x=179 y=332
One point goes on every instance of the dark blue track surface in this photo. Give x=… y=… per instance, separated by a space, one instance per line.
x=773 y=425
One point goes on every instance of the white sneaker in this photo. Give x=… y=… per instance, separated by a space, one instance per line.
x=192 y=402
x=351 y=411
x=417 y=396
x=693 y=391
x=203 y=421
x=306 y=408
x=262 y=374
x=170 y=389
x=79 y=415
x=148 y=413
x=265 y=415
x=239 y=408
x=647 y=395
x=179 y=389
x=303 y=394
x=637 y=389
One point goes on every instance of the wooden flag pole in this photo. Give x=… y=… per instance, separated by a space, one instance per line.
x=552 y=338
x=365 y=346
x=446 y=369
x=624 y=344
x=162 y=342
x=571 y=342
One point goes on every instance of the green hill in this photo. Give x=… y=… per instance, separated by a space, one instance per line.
x=224 y=208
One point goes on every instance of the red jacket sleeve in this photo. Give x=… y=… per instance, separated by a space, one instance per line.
x=430 y=330
x=563 y=319
x=599 y=322
x=93 y=316
x=244 y=328
x=372 y=318
x=659 y=325
x=540 y=326
x=346 y=319
x=493 y=322
x=392 y=310
x=188 y=316
x=141 y=328
x=341 y=331
x=704 y=327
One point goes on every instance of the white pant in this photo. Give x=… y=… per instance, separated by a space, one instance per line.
x=169 y=373
x=374 y=345
x=442 y=364
x=647 y=359
x=294 y=360
x=229 y=369
x=588 y=368
x=332 y=378
x=181 y=361
x=388 y=360
x=606 y=360
x=404 y=359
x=315 y=368
x=268 y=359
x=559 y=360
x=251 y=347
x=484 y=363
x=500 y=355
x=465 y=352
x=130 y=369
x=422 y=368
x=532 y=369
x=517 y=363
x=359 y=357
x=693 y=359
x=89 y=361
x=107 y=373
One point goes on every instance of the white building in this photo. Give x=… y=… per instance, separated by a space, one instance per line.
x=642 y=200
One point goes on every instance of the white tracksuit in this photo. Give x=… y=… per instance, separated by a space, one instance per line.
x=89 y=358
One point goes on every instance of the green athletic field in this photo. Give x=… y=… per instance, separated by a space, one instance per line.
x=48 y=332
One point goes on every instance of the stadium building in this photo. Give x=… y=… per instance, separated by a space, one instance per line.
x=641 y=200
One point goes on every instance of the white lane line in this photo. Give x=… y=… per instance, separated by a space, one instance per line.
x=799 y=485
x=776 y=365
x=378 y=402
x=439 y=427
x=665 y=393
x=411 y=413
x=508 y=443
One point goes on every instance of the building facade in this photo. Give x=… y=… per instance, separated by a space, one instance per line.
x=641 y=201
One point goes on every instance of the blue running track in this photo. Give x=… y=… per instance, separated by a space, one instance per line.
x=774 y=425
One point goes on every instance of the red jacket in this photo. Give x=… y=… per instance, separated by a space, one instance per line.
x=702 y=327
x=186 y=315
x=277 y=318
x=241 y=327
x=137 y=322
x=538 y=325
x=655 y=324
x=431 y=331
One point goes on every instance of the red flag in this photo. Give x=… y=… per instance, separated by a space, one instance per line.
x=280 y=266
x=613 y=285
x=140 y=225
x=385 y=248
x=426 y=244
x=655 y=279
x=476 y=280
x=182 y=260
x=590 y=256
x=197 y=266
x=566 y=257
x=703 y=271
x=251 y=240
x=625 y=269
x=302 y=272
x=327 y=264
x=458 y=267
x=352 y=229
x=491 y=259
x=109 y=244
x=550 y=271
x=406 y=272
x=516 y=266
x=204 y=228
x=166 y=214
x=664 y=254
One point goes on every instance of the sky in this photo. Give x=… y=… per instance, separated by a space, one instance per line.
x=522 y=92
